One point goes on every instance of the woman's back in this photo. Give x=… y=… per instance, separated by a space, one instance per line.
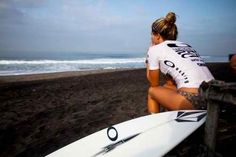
x=180 y=61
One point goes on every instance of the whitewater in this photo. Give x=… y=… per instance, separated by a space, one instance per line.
x=19 y=67
x=37 y=66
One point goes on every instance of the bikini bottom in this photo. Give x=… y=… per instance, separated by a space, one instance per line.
x=194 y=99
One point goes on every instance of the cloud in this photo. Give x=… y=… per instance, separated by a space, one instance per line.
x=21 y=3
x=66 y=25
x=103 y=25
x=71 y=15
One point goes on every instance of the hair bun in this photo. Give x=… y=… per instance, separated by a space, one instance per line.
x=170 y=18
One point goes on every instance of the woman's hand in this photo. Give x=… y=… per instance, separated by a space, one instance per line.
x=170 y=83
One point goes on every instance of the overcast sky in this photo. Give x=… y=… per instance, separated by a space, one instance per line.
x=33 y=26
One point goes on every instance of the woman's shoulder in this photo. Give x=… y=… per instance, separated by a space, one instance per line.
x=158 y=46
x=167 y=45
x=176 y=43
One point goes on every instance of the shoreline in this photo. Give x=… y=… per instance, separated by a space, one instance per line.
x=53 y=75
x=64 y=74
x=49 y=75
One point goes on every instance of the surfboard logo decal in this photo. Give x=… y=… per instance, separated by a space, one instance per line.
x=194 y=116
x=112 y=133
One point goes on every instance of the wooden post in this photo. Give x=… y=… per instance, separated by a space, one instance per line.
x=215 y=93
x=211 y=125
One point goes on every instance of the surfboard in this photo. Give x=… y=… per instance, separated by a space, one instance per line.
x=149 y=136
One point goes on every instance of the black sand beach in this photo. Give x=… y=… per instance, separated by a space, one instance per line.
x=42 y=113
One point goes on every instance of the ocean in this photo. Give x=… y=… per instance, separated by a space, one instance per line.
x=78 y=62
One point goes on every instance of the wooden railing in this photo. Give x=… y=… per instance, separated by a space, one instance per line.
x=216 y=94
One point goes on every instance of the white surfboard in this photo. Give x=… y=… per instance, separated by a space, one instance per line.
x=149 y=136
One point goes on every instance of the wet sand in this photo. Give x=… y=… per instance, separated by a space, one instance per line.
x=42 y=113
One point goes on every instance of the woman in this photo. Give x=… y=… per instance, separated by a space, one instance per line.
x=181 y=64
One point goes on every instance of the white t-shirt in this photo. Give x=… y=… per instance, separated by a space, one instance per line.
x=180 y=61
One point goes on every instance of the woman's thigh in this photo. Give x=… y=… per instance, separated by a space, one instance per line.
x=169 y=99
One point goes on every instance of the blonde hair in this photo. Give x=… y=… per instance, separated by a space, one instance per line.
x=166 y=27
